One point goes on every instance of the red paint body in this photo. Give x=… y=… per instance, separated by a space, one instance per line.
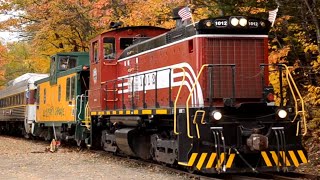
x=246 y=52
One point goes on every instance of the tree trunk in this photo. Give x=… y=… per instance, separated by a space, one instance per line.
x=315 y=21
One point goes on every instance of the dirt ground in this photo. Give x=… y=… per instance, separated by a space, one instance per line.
x=26 y=159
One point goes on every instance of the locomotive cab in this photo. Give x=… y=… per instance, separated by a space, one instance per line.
x=105 y=50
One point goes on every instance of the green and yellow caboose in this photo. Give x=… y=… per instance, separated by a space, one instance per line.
x=61 y=97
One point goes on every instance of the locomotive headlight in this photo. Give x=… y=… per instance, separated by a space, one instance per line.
x=282 y=113
x=216 y=115
x=243 y=22
x=234 y=22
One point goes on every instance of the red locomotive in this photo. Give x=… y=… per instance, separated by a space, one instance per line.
x=194 y=96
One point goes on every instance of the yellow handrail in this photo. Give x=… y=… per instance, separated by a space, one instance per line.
x=176 y=100
x=195 y=121
x=303 y=116
x=87 y=118
x=190 y=94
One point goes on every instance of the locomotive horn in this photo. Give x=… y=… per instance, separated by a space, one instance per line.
x=116 y=24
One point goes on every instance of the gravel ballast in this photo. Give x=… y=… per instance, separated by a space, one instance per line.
x=26 y=159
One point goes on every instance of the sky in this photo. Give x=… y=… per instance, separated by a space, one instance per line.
x=6 y=36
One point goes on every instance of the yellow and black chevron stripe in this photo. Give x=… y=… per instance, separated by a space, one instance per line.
x=289 y=158
x=209 y=160
x=133 y=112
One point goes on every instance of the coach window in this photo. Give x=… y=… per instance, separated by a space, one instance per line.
x=22 y=98
x=109 y=48
x=95 y=52
x=38 y=94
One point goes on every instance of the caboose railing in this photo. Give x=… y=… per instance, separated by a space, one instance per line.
x=192 y=90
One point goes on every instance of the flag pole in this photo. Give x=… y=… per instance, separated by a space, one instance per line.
x=192 y=20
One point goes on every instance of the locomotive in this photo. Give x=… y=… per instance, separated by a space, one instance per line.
x=196 y=96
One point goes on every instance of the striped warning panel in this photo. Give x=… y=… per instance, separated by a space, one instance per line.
x=284 y=158
x=210 y=160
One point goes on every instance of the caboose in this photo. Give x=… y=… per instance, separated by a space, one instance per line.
x=196 y=96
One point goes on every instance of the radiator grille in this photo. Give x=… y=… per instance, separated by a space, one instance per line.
x=246 y=54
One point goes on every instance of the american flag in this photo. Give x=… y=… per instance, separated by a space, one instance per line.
x=273 y=16
x=185 y=13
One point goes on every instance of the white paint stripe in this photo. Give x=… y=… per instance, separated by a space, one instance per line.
x=193 y=37
x=197 y=98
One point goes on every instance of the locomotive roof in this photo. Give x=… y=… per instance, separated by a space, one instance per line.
x=133 y=27
x=218 y=25
x=21 y=83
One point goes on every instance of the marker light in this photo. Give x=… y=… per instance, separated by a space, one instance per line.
x=234 y=22
x=282 y=113
x=243 y=22
x=216 y=115
x=208 y=23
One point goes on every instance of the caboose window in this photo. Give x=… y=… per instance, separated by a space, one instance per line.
x=66 y=63
x=72 y=83
x=109 y=51
x=44 y=96
x=68 y=89
x=53 y=66
x=59 y=93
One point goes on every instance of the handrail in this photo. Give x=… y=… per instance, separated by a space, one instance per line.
x=193 y=87
x=87 y=118
x=176 y=100
x=290 y=78
x=188 y=99
x=202 y=121
x=134 y=76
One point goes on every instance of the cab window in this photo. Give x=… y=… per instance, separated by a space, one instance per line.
x=125 y=42
x=109 y=51
x=95 y=52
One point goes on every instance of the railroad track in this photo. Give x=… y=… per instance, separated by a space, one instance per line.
x=246 y=176
x=188 y=175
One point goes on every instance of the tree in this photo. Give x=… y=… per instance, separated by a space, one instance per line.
x=22 y=58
